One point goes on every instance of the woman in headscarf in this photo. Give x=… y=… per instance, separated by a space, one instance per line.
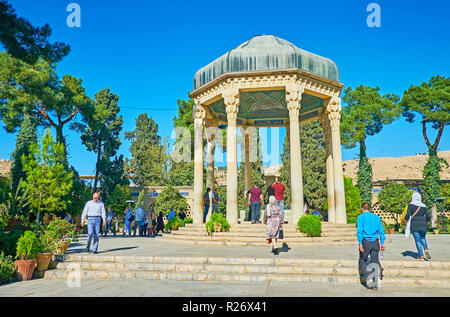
x=273 y=219
x=419 y=216
x=160 y=223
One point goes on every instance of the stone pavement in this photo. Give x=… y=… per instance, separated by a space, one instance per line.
x=401 y=248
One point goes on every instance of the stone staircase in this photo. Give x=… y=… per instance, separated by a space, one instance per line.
x=248 y=234
x=270 y=269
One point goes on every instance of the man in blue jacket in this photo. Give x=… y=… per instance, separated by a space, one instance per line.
x=370 y=234
x=139 y=219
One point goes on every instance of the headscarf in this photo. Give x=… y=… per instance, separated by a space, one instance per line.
x=416 y=200
x=273 y=206
x=272 y=200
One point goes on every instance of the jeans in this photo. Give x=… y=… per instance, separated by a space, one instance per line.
x=93 y=225
x=205 y=213
x=215 y=208
x=372 y=249
x=281 y=204
x=109 y=227
x=255 y=211
x=419 y=237
x=139 y=224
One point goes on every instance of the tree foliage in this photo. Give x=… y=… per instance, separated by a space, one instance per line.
x=393 y=199
x=170 y=198
x=365 y=114
x=47 y=179
x=25 y=41
x=430 y=100
x=101 y=134
x=353 y=200
x=148 y=165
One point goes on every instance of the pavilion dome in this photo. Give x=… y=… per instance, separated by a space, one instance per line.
x=266 y=52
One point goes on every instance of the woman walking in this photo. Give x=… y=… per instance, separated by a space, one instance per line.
x=419 y=216
x=273 y=218
x=160 y=223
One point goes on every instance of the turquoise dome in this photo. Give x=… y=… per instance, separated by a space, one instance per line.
x=266 y=52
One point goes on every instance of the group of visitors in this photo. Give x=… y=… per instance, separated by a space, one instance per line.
x=371 y=238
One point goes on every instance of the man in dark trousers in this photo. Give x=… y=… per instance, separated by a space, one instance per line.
x=370 y=233
x=206 y=202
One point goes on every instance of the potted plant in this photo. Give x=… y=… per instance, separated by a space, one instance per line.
x=47 y=244
x=63 y=232
x=217 y=223
x=27 y=249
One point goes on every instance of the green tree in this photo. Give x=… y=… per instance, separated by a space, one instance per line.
x=47 y=179
x=170 y=198
x=313 y=165
x=77 y=197
x=37 y=90
x=148 y=165
x=117 y=199
x=393 y=199
x=101 y=135
x=365 y=114
x=25 y=41
x=430 y=100
x=114 y=175
x=353 y=200
x=25 y=138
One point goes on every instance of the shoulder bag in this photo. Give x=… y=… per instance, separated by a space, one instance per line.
x=408 y=224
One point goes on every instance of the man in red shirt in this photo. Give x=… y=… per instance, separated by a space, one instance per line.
x=279 y=194
x=255 y=198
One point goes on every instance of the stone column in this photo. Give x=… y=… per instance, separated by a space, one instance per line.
x=210 y=150
x=231 y=98
x=329 y=164
x=334 y=115
x=199 y=122
x=293 y=100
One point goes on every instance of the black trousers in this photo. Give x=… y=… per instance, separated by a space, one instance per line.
x=371 y=249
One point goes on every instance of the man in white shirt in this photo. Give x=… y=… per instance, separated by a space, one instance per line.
x=94 y=211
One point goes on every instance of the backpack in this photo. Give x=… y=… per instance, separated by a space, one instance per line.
x=131 y=218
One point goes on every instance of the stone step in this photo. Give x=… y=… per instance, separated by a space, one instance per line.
x=248 y=261
x=247 y=269
x=431 y=274
x=261 y=238
x=250 y=225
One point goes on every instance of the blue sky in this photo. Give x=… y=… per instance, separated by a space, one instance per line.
x=147 y=52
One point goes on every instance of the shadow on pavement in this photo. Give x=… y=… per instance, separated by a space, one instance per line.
x=412 y=254
x=118 y=249
x=284 y=248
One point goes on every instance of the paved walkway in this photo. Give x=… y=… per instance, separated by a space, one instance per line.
x=401 y=248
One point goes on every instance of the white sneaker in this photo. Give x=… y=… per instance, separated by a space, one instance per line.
x=427 y=255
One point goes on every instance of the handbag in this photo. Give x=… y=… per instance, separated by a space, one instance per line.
x=408 y=224
x=281 y=234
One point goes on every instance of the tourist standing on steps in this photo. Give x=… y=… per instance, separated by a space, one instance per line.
x=419 y=216
x=128 y=220
x=94 y=212
x=146 y=222
x=370 y=234
x=273 y=219
x=255 y=200
x=206 y=202
x=109 y=219
x=279 y=188
x=215 y=201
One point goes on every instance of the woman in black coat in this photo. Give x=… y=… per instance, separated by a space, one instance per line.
x=160 y=223
x=419 y=224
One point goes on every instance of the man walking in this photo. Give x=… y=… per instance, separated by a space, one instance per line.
x=215 y=201
x=139 y=218
x=94 y=211
x=370 y=234
x=279 y=188
x=109 y=219
x=255 y=199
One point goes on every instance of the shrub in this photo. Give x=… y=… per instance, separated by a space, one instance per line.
x=310 y=225
x=27 y=246
x=217 y=223
x=174 y=224
x=393 y=198
x=60 y=229
x=6 y=268
x=170 y=198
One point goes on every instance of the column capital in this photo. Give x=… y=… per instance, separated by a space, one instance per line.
x=293 y=98
x=334 y=111
x=199 y=114
x=231 y=100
